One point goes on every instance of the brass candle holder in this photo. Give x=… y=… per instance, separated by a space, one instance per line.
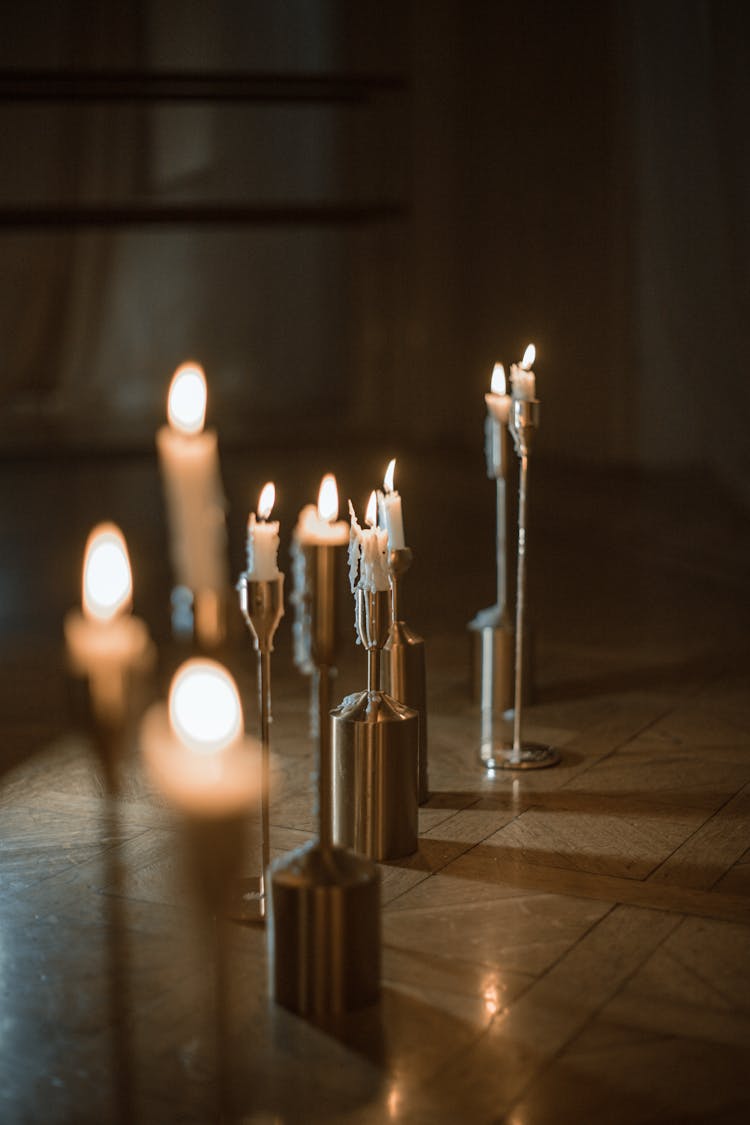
x=375 y=753
x=262 y=606
x=403 y=670
x=324 y=934
x=519 y=754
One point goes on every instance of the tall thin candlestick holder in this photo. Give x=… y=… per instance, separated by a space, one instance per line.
x=404 y=665
x=262 y=606
x=492 y=628
x=325 y=919
x=375 y=753
x=520 y=755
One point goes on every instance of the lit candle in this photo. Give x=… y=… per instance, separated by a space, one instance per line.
x=189 y=460
x=497 y=400
x=105 y=641
x=522 y=378
x=389 y=504
x=368 y=551
x=263 y=540
x=320 y=525
x=195 y=749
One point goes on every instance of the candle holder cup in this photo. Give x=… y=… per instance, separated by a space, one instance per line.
x=375 y=753
x=403 y=670
x=324 y=932
x=262 y=607
x=518 y=754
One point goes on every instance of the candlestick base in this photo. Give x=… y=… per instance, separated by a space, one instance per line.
x=531 y=756
x=324 y=932
x=375 y=746
x=247 y=901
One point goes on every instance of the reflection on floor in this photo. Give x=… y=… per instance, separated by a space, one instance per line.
x=567 y=946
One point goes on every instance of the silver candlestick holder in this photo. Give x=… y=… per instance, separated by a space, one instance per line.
x=403 y=670
x=375 y=753
x=325 y=900
x=492 y=636
x=262 y=606
x=519 y=754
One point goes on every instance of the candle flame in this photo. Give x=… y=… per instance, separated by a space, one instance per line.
x=267 y=500
x=528 y=358
x=107 y=579
x=497 y=385
x=388 y=478
x=328 y=499
x=186 y=401
x=204 y=706
x=371 y=515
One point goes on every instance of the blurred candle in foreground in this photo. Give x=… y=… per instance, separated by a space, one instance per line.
x=105 y=641
x=522 y=378
x=263 y=539
x=189 y=459
x=195 y=749
x=390 y=506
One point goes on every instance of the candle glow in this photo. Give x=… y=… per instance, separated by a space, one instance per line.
x=497 y=383
x=204 y=707
x=371 y=515
x=328 y=499
x=266 y=501
x=389 y=474
x=528 y=358
x=186 y=401
x=107 y=578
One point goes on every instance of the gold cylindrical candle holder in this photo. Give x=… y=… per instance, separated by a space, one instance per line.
x=375 y=754
x=403 y=666
x=324 y=932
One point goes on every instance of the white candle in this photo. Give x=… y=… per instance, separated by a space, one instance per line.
x=320 y=525
x=368 y=551
x=497 y=400
x=522 y=378
x=263 y=539
x=195 y=750
x=105 y=641
x=189 y=459
x=390 y=506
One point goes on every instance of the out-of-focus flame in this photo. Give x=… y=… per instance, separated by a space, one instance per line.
x=107 y=579
x=204 y=706
x=328 y=499
x=371 y=515
x=186 y=402
x=388 y=478
x=497 y=385
x=528 y=358
x=266 y=500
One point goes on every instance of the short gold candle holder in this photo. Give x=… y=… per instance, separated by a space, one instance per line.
x=262 y=607
x=403 y=669
x=375 y=753
x=324 y=932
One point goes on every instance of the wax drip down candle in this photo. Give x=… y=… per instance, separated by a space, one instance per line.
x=368 y=551
x=263 y=539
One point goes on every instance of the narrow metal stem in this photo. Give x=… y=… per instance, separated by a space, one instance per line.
x=394 y=598
x=502 y=545
x=264 y=711
x=520 y=599
x=322 y=700
x=373 y=679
